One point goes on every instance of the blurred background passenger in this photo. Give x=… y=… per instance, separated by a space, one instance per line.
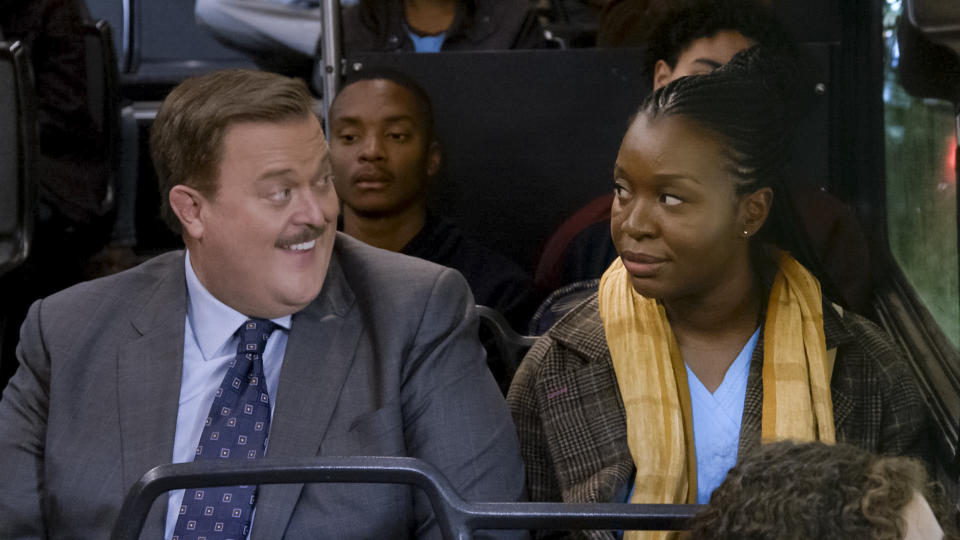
x=799 y=491
x=703 y=340
x=284 y=35
x=440 y=25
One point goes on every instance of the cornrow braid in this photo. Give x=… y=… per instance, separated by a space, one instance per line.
x=748 y=103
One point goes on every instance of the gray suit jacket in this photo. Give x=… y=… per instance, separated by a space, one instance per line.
x=384 y=362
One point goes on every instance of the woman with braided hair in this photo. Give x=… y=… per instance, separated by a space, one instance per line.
x=703 y=340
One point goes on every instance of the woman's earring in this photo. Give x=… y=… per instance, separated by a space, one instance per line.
x=746 y=233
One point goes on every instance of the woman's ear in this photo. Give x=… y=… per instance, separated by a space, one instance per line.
x=753 y=210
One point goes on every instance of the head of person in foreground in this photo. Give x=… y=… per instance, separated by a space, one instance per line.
x=789 y=490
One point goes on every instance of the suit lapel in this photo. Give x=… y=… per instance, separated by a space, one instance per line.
x=323 y=339
x=148 y=378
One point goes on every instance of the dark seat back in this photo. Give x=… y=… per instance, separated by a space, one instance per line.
x=117 y=15
x=168 y=46
x=103 y=93
x=18 y=155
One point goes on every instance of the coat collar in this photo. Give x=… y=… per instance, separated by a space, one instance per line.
x=148 y=378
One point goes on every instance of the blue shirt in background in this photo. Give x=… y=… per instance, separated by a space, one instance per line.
x=425 y=43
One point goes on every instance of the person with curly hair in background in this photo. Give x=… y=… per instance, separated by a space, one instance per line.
x=790 y=490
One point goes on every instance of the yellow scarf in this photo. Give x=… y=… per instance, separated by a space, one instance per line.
x=653 y=380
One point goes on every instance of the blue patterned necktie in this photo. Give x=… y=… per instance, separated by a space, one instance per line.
x=236 y=428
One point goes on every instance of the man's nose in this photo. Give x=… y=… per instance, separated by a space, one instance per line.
x=310 y=210
x=371 y=148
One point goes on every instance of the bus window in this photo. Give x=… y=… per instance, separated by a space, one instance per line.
x=921 y=190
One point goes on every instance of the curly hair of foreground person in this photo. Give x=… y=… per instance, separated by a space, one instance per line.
x=790 y=490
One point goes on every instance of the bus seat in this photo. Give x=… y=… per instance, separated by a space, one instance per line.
x=103 y=94
x=114 y=12
x=18 y=155
x=169 y=46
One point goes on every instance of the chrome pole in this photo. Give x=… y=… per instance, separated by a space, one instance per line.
x=327 y=75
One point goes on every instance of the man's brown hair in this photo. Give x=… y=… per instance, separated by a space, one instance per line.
x=186 y=140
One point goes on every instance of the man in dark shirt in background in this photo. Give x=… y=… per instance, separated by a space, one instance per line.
x=384 y=152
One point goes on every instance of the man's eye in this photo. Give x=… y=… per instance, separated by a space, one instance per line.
x=398 y=136
x=670 y=200
x=347 y=138
x=325 y=179
x=281 y=194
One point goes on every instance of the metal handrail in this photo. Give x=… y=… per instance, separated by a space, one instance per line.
x=511 y=345
x=328 y=72
x=456 y=518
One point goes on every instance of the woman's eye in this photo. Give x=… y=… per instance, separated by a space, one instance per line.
x=620 y=191
x=670 y=200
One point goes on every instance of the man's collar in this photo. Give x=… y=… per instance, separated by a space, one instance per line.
x=213 y=322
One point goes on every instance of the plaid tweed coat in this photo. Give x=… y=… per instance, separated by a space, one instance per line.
x=572 y=427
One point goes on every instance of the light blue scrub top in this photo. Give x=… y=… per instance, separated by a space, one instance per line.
x=716 y=421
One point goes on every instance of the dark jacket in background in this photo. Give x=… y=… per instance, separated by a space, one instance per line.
x=495 y=280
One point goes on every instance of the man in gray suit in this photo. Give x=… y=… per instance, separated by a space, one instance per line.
x=378 y=351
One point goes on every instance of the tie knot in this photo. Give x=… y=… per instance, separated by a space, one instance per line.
x=254 y=334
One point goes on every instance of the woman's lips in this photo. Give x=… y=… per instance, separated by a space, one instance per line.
x=640 y=264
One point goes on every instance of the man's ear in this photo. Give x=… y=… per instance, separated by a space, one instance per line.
x=434 y=158
x=187 y=203
x=754 y=210
x=661 y=74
